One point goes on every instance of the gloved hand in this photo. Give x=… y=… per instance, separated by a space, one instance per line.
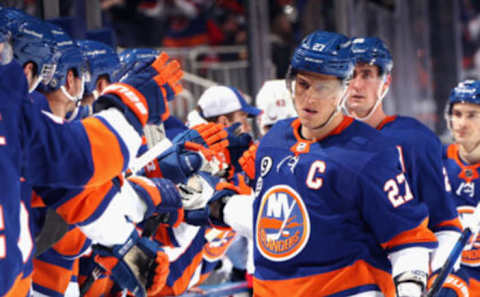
x=193 y=150
x=247 y=161
x=238 y=143
x=410 y=283
x=143 y=94
x=210 y=135
x=139 y=265
x=198 y=190
x=161 y=197
x=212 y=213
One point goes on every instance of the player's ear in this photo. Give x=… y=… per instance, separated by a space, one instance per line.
x=102 y=83
x=28 y=70
x=223 y=120
x=70 y=81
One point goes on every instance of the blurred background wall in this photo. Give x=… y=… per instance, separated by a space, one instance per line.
x=245 y=42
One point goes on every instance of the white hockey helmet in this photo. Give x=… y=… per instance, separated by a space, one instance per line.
x=276 y=102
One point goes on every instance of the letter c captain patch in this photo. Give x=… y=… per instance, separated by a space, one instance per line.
x=283 y=224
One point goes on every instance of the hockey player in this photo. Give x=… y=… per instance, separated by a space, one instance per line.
x=419 y=146
x=108 y=141
x=356 y=229
x=275 y=101
x=102 y=65
x=334 y=232
x=462 y=160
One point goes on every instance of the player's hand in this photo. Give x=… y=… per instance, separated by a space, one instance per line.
x=410 y=283
x=198 y=190
x=161 y=197
x=143 y=93
x=195 y=149
x=247 y=161
x=139 y=265
x=238 y=143
x=212 y=213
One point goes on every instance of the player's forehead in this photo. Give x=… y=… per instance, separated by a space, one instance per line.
x=362 y=67
x=313 y=77
x=465 y=107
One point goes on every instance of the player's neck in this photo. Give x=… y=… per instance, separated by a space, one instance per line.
x=58 y=103
x=377 y=117
x=313 y=134
x=470 y=154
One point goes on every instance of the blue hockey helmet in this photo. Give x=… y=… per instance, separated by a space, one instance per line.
x=69 y=58
x=101 y=60
x=32 y=42
x=373 y=51
x=467 y=91
x=325 y=53
x=131 y=57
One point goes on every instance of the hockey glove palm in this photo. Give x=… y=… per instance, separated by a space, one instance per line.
x=139 y=265
x=212 y=213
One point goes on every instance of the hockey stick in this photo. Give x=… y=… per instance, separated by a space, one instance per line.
x=454 y=255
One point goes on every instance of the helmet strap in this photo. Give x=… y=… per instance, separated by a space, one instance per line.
x=380 y=96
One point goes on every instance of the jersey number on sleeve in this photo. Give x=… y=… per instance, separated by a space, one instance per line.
x=392 y=188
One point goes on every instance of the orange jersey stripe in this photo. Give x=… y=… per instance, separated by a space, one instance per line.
x=419 y=234
x=107 y=160
x=71 y=243
x=358 y=274
x=182 y=283
x=21 y=287
x=83 y=205
x=451 y=223
x=51 y=276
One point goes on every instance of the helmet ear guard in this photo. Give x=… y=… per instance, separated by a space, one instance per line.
x=102 y=60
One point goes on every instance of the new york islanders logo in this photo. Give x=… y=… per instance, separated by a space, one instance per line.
x=283 y=224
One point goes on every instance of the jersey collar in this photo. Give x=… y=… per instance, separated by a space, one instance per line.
x=385 y=121
x=468 y=172
x=303 y=145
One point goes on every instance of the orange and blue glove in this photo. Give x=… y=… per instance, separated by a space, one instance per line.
x=143 y=94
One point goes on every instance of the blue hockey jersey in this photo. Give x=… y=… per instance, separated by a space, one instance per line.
x=465 y=182
x=57 y=154
x=422 y=153
x=327 y=213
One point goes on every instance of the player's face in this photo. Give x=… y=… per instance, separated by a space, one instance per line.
x=242 y=118
x=316 y=97
x=465 y=124
x=363 y=89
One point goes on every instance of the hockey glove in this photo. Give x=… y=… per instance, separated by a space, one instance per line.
x=210 y=135
x=410 y=283
x=238 y=143
x=161 y=197
x=139 y=265
x=193 y=150
x=198 y=190
x=143 y=94
x=247 y=161
x=212 y=213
